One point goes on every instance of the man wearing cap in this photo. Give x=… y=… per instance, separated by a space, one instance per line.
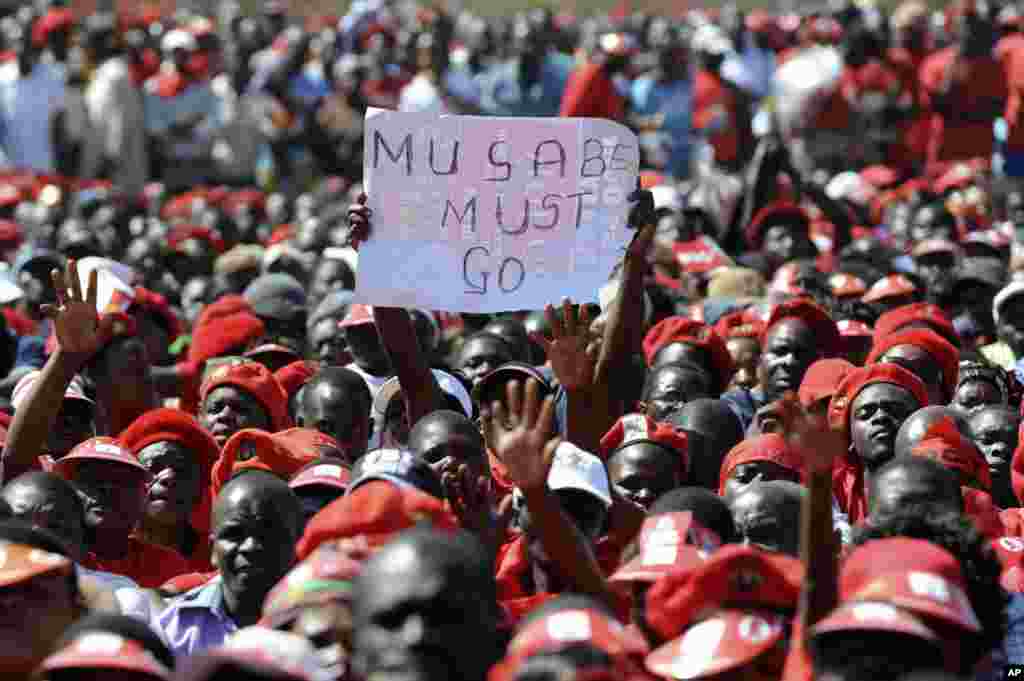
x=41 y=599
x=255 y=526
x=645 y=459
x=389 y=407
x=280 y=301
x=1008 y=315
x=111 y=482
x=318 y=484
x=326 y=342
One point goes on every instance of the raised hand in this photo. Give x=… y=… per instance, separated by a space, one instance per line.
x=359 y=226
x=469 y=498
x=571 y=352
x=79 y=328
x=810 y=434
x=522 y=435
x=643 y=219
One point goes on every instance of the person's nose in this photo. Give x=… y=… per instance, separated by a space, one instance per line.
x=413 y=630
x=249 y=545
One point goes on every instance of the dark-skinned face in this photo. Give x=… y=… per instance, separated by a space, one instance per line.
x=112 y=494
x=1011 y=325
x=932 y=222
x=746 y=474
x=875 y=418
x=790 y=347
x=336 y=412
x=481 y=356
x=642 y=472
x=899 y=487
x=417 y=621
x=327 y=343
x=367 y=350
x=253 y=542
x=768 y=518
x=994 y=431
x=444 y=445
x=670 y=388
x=194 y=296
x=48 y=510
x=174 y=488
x=745 y=352
x=227 y=410
x=921 y=364
x=934 y=270
x=785 y=242
x=973 y=395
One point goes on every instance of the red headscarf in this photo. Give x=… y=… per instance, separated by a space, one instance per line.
x=916 y=314
x=826 y=333
x=944 y=354
x=691 y=332
x=768 y=447
x=256 y=380
x=943 y=442
x=777 y=209
x=822 y=380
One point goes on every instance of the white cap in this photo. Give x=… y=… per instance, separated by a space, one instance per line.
x=1014 y=289
x=347 y=255
x=576 y=469
x=448 y=383
x=712 y=40
x=9 y=291
x=850 y=186
x=75 y=390
x=178 y=40
x=666 y=196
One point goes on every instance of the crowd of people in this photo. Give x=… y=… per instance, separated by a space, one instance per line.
x=785 y=443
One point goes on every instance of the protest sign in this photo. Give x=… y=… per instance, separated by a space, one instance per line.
x=478 y=214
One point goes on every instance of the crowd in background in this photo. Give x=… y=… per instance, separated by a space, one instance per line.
x=784 y=443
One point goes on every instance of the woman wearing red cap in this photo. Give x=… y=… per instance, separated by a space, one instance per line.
x=179 y=455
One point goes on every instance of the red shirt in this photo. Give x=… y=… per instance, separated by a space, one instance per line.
x=978 y=95
x=591 y=93
x=148 y=564
x=715 y=107
x=1011 y=54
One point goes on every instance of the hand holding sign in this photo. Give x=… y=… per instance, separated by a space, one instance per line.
x=489 y=214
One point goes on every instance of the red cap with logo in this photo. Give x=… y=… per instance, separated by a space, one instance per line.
x=97 y=449
x=886 y=288
x=668 y=542
x=634 y=428
x=95 y=651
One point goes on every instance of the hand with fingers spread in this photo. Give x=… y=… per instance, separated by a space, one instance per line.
x=469 y=497
x=521 y=435
x=572 y=354
x=359 y=226
x=78 y=326
x=809 y=433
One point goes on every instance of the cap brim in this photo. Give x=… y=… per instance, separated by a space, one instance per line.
x=72 y=660
x=272 y=348
x=637 y=570
x=320 y=481
x=882 y=590
x=846 y=618
x=65 y=467
x=507 y=372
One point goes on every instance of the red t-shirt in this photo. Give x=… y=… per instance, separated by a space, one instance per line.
x=977 y=96
x=591 y=93
x=715 y=107
x=148 y=564
x=1011 y=54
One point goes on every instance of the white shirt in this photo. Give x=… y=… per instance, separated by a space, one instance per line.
x=27 y=105
x=373 y=383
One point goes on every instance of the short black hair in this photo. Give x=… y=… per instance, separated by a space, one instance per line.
x=709 y=509
x=345 y=379
x=947 y=480
x=981 y=569
x=682 y=367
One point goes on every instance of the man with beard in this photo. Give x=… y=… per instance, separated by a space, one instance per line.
x=425 y=609
x=256 y=522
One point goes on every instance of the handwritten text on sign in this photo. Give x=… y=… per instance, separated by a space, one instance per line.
x=474 y=214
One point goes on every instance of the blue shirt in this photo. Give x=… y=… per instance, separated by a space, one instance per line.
x=1013 y=644
x=196 y=620
x=651 y=97
x=502 y=93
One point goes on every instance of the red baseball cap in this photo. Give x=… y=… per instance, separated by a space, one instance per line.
x=97 y=449
x=873 y=616
x=726 y=641
x=924 y=315
x=847 y=285
x=913 y=574
x=283 y=454
x=377 y=510
x=21 y=562
x=733 y=576
x=668 y=542
x=322 y=474
x=103 y=650
x=822 y=379
x=634 y=428
x=357 y=315
x=892 y=286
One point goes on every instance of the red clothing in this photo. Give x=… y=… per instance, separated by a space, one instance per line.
x=1011 y=54
x=1013 y=522
x=849 y=489
x=148 y=564
x=384 y=92
x=978 y=506
x=591 y=93
x=19 y=323
x=511 y=567
x=915 y=131
x=715 y=108
x=978 y=95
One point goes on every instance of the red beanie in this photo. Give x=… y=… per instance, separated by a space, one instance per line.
x=256 y=380
x=699 y=335
x=223 y=335
x=768 y=447
x=776 y=209
x=860 y=378
x=916 y=314
x=826 y=333
x=157 y=305
x=947 y=356
x=173 y=425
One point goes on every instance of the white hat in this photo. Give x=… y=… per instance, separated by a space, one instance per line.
x=850 y=186
x=1013 y=290
x=9 y=291
x=666 y=196
x=178 y=40
x=448 y=383
x=576 y=469
x=75 y=390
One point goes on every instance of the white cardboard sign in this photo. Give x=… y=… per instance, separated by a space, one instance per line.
x=482 y=214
